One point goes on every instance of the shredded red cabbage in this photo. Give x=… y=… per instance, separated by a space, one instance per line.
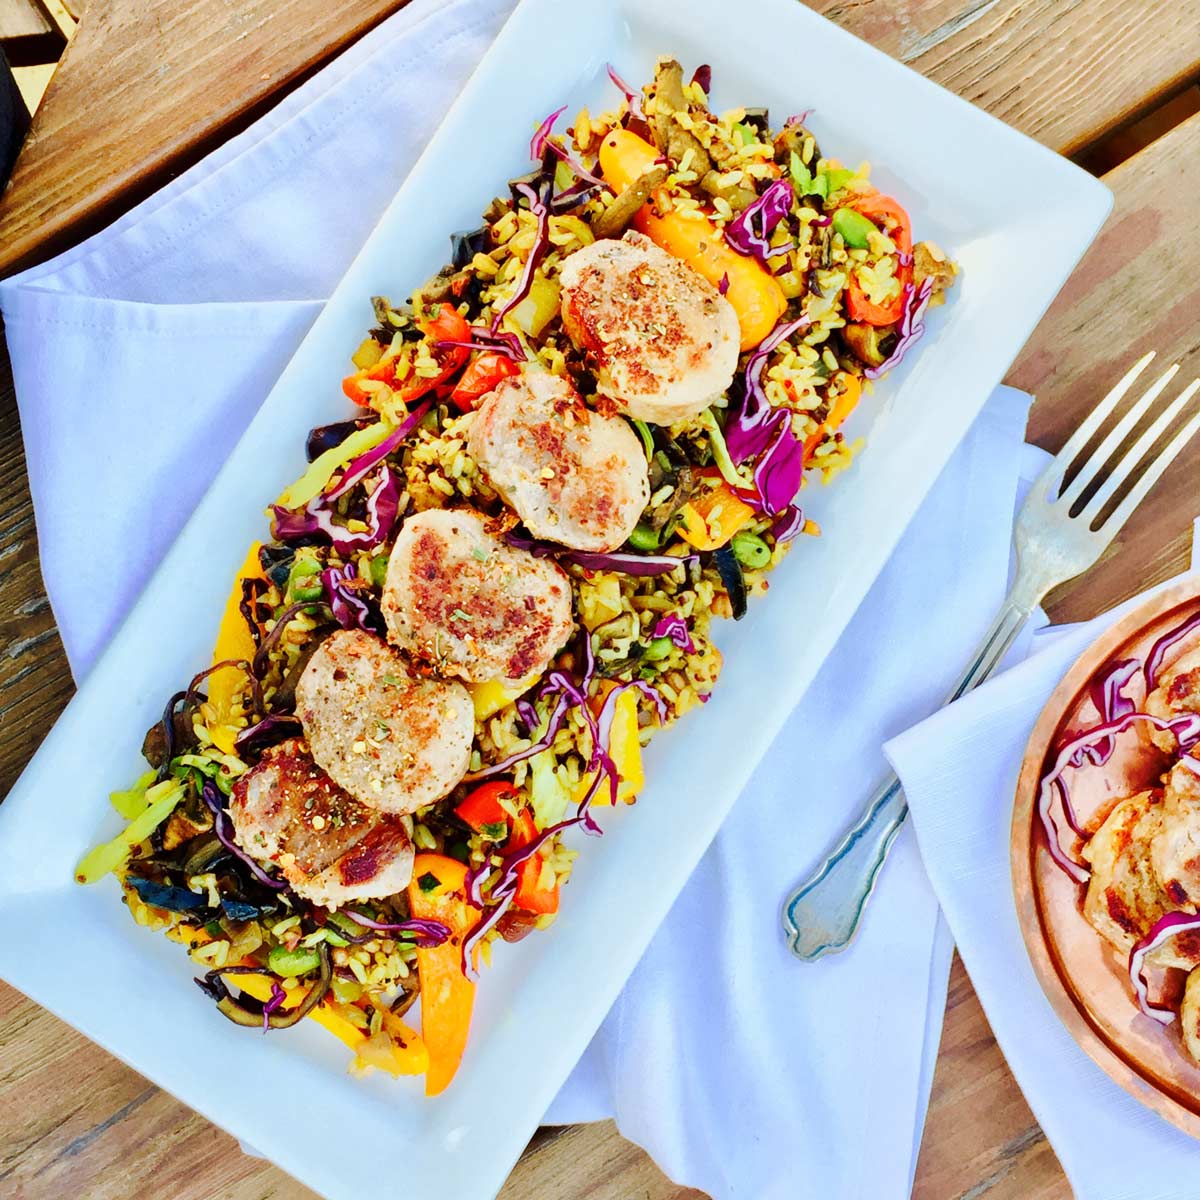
x=622 y=561
x=788 y=524
x=358 y=468
x=353 y=608
x=568 y=692
x=541 y=241
x=750 y=427
x=912 y=326
x=1105 y=692
x=542 y=141
x=271 y=729
x=1161 y=932
x=383 y=503
x=277 y=997
x=723 y=286
x=223 y=827
x=420 y=930
x=557 y=716
x=703 y=76
x=1191 y=762
x=634 y=98
x=1186 y=730
x=1158 y=652
x=483 y=338
x=750 y=231
x=673 y=626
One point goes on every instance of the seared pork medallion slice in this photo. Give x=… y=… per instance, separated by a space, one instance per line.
x=661 y=339
x=463 y=602
x=1177 y=693
x=1124 y=896
x=394 y=740
x=574 y=476
x=1175 y=849
x=287 y=812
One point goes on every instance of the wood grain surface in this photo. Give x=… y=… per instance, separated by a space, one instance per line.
x=148 y=86
x=74 y=1121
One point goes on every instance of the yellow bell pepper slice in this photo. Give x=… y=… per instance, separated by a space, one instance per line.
x=321 y=469
x=233 y=641
x=624 y=749
x=494 y=694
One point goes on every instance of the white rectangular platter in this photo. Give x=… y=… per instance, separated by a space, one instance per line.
x=1015 y=216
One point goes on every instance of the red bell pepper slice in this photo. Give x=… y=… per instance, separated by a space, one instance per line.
x=529 y=895
x=482 y=806
x=480 y=378
x=886 y=212
x=448 y=325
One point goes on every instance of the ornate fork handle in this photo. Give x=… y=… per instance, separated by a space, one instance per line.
x=822 y=915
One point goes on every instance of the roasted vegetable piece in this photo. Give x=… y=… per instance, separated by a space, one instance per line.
x=447 y=995
x=480 y=377
x=616 y=218
x=866 y=342
x=755 y=295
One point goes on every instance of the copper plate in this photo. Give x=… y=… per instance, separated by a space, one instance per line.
x=1082 y=975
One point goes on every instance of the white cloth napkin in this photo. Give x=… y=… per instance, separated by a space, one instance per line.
x=140 y=356
x=959 y=770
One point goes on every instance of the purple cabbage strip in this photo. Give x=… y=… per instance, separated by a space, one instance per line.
x=542 y=141
x=750 y=428
x=383 y=503
x=223 y=827
x=1163 y=930
x=703 y=76
x=780 y=468
x=1186 y=730
x=359 y=467
x=1105 y=692
x=537 y=251
x=271 y=729
x=750 y=231
x=427 y=933
x=634 y=98
x=277 y=997
x=483 y=338
x=352 y=608
x=673 y=626
x=912 y=326
x=1158 y=652
x=624 y=562
x=544 y=742
x=723 y=286
x=788 y=524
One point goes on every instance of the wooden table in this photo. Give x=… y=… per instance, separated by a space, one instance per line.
x=73 y=1121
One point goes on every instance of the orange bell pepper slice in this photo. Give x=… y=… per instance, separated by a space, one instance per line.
x=843 y=405
x=753 y=291
x=481 y=377
x=447 y=995
x=891 y=215
x=711 y=520
x=448 y=325
x=530 y=895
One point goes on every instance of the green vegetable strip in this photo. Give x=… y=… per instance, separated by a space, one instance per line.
x=104 y=859
x=129 y=804
x=720 y=452
x=313 y=480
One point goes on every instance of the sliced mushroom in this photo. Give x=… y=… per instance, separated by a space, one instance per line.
x=616 y=218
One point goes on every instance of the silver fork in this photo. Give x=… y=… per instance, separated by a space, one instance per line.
x=823 y=913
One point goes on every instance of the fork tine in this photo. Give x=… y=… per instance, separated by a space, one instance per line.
x=1125 y=509
x=1080 y=438
x=1134 y=455
x=1095 y=464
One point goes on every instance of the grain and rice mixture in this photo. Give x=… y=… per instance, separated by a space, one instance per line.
x=698 y=393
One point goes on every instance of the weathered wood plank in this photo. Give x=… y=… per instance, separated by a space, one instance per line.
x=1063 y=72
x=75 y=1121
x=148 y=86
